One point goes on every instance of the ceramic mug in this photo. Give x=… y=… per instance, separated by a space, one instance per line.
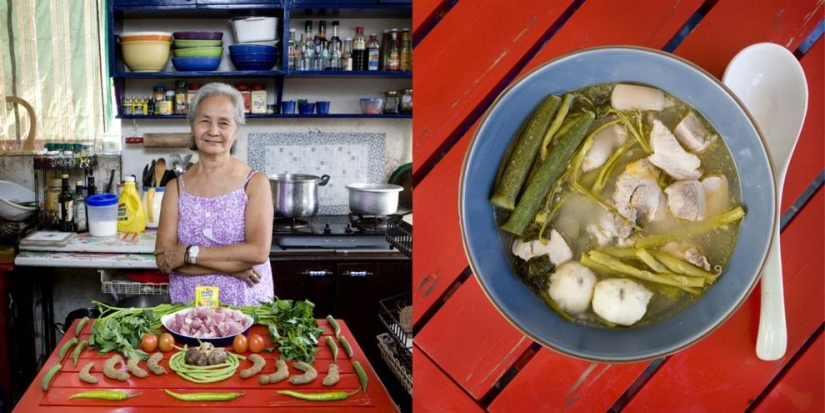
x=322 y=106
x=288 y=107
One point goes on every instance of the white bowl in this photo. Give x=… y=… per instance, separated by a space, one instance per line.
x=10 y=194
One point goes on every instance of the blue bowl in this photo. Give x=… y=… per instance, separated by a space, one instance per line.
x=194 y=341
x=253 y=65
x=487 y=247
x=253 y=57
x=252 y=48
x=195 y=64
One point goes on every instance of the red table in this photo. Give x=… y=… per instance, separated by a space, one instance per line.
x=257 y=398
x=468 y=358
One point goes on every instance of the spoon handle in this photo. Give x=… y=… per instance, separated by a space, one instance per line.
x=772 y=339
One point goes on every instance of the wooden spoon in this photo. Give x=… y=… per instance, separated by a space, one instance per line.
x=160 y=169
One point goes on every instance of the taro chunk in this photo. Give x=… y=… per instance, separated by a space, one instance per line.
x=571 y=287
x=629 y=97
x=620 y=301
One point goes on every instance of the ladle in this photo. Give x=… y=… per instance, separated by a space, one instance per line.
x=770 y=82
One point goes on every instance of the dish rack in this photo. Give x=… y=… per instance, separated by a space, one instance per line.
x=116 y=283
x=395 y=344
x=399 y=235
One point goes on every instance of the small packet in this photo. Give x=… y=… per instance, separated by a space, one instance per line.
x=207 y=296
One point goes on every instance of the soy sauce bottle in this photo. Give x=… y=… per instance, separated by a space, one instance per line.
x=65 y=200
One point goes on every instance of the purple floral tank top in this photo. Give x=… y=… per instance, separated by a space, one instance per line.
x=210 y=222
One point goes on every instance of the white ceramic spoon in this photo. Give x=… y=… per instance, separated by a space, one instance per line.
x=772 y=85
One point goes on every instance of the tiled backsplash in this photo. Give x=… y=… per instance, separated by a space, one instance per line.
x=346 y=157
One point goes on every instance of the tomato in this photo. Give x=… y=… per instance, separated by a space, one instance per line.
x=149 y=342
x=166 y=342
x=240 y=344
x=256 y=343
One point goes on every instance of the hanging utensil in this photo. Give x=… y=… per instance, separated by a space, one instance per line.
x=160 y=169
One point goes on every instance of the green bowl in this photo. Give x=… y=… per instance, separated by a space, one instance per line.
x=182 y=43
x=199 y=52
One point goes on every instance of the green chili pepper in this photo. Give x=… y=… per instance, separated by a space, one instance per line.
x=104 y=395
x=66 y=346
x=47 y=379
x=317 y=397
x=198 y=397
x=345 y=344
x=333 y=347
x=77 y=350
x=336 y=328
x=80 y=325
x=362 y=375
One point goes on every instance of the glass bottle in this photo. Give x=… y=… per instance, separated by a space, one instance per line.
x=359 y=50
x=190 y=94
x=308 y=45
x=346 y=57
x=373 y=52
x=322 y=45
x=385 y=42
x=406 y=51
x=300 y=56
x=80 y=219
x=180 y=97
x=291 y=55
x=91 y=189
x=335 y=48
x=393 y=53
x=65 y=203
x=245 y=94
x=258 y=97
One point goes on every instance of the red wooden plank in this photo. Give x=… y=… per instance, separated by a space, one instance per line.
x=439 y=252
x=801 y=388
x=809 y=156
x=582 y=386
x=466 y=55
x=722 y=372
x=731 y=25
x=437 y=393
x=605 y=22
x=470 y=340
x=66 y=382
x=424 y=10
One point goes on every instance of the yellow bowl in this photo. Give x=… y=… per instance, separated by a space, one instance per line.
x=146 y=56
x=145 y=36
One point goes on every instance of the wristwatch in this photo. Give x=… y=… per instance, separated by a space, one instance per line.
x=192 y=254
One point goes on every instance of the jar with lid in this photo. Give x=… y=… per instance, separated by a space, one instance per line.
x=158 y=93
x=168 y=105
x=52 y=192
x=392 y=101
x=258 y=98
x=406 y=105
x=247 y=97
x=190 y=94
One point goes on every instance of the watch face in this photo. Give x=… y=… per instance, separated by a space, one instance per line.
x=193 y=253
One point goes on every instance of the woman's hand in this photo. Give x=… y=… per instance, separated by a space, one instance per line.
x=170 y=257
x=249 y=275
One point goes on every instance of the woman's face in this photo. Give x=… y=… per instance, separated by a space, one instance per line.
x=215 y=129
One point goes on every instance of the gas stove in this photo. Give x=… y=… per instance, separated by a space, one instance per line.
x=333 y=232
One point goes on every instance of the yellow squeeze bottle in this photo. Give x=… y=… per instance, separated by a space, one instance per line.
x=131 y=217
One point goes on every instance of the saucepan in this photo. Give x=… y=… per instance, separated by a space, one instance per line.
x=373 y=199
x=296 y=195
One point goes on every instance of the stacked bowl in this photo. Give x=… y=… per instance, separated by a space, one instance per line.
x=145 y=51
x=197 y=51
x=256 y=39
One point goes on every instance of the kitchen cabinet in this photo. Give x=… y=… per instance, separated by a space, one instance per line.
x=281 y=83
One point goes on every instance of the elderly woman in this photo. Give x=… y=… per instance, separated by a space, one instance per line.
x=215 y=228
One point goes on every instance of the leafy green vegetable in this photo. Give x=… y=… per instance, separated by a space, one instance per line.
x=120 y=329
x=536 y=271
x=292 y=327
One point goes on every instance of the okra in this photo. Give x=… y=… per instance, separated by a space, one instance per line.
x=47 y=379
x=332 y=347
x=79 y=327
x=336 y=328
x=549 y=171
x=362 y=375
x=523 y=154
x=66 y=346
x=345 y=344
x=77 y=350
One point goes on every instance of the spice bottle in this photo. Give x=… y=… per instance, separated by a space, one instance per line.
x=159 y=93
x=258 y=97
x=190 y=94
x=180 y=97
x=373 y=52
x=168 y=105
x=247 y=98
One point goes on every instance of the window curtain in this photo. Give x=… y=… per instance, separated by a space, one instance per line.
x=53 y=56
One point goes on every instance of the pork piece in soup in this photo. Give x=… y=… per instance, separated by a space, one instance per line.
x=620 y=204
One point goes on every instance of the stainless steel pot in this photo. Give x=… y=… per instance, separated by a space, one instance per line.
x=373 y=199
x=296 y=195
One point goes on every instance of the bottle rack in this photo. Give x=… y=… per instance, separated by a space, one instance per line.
x=54 y=166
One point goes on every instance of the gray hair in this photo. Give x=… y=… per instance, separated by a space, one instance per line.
x=216 y=89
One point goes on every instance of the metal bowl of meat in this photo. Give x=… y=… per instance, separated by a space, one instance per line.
x=632 y=208
x=218 y=325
